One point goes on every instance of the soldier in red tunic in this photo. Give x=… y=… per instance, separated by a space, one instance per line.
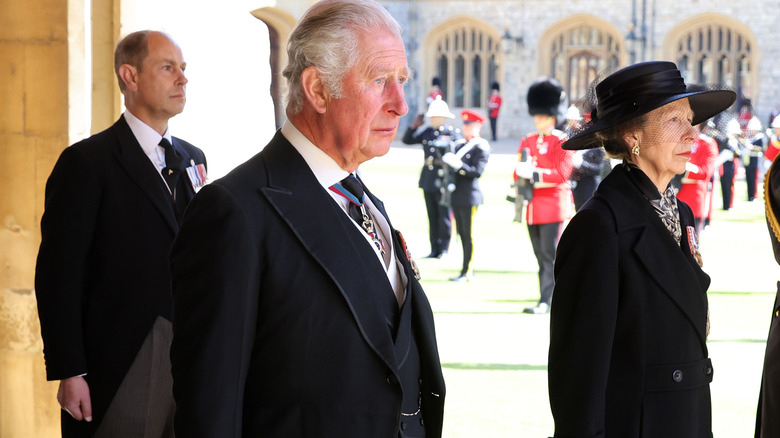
x=548 y=167
x=696 y=187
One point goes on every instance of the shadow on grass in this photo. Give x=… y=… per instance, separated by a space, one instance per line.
x=493 y=366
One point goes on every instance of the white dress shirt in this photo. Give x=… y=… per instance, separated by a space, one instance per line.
x=328 y=172
x=149 y=139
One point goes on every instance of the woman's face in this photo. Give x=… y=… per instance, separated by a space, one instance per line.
x=664 y=142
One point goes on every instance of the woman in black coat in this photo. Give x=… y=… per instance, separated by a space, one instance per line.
x=629 y=317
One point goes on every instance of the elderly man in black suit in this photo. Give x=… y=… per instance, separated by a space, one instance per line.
x=296 y=308
x=102 y=280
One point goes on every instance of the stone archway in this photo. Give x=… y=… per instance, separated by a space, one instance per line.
x=466 y=54
x=280 y=25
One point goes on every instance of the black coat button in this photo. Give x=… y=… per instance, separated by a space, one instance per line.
x=403 y=426
x=707 y=370
x=677 y=375
x=392 y=380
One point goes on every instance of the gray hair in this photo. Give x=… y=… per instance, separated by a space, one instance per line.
x=327 y=38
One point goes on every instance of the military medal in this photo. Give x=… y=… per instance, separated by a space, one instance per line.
x=368 y=225
x=408 y=255
x=197 y=175
x=693 y=244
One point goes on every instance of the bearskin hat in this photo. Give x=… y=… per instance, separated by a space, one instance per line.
x=436 y=82
x=546 y=96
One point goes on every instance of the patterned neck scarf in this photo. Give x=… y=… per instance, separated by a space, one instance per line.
x=667 y=210
x=665 y=204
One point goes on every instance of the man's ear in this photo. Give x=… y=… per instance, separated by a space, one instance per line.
x=314 y=89
x=129 y=76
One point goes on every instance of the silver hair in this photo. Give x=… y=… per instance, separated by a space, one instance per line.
x=327 y=38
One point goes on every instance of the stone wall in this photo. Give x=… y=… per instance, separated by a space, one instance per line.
x=34 y=127
x=531 y=19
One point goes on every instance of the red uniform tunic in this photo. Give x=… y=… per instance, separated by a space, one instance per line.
x=772 y=149
x=552 y=199
x=494 y=105
x=695 y=189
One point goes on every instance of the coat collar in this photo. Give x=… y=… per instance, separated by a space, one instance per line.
x=329 y=236
x=143 y=173
x=678 y=274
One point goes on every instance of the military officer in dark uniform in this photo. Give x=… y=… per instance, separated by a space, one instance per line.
x=768 y=420
x=436 y=178
x=755 y=144
x=468 y=161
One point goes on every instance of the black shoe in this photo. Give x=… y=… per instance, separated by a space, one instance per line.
x=463 y=278
x=433 y=255
x=540 y=309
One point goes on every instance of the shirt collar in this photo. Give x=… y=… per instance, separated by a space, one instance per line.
x=147 y=137
x=325 y=168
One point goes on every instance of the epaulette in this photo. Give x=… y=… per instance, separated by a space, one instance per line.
x=483 y=144
x=771 y=219
x=560 y=134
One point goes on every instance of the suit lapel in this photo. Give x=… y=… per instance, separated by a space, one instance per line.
x=321 y=227
x=184 y=179
x=677 y=274
x=138 y=167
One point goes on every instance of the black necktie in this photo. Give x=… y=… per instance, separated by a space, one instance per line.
x=354 y=187
x=357 y=208
x=172 y=167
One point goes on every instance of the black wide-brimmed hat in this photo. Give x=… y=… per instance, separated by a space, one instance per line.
x=640 y=88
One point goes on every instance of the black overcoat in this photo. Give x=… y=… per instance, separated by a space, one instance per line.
x=627 y=356
x=277 y=329
x=102 y=275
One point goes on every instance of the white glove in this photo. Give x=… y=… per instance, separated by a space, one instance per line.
x=452 y=160
x=524 y=169
x=576 y=160
x=690 y=167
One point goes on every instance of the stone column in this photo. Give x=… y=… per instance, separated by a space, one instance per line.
x=34 y=126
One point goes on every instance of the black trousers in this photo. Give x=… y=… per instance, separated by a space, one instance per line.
x=494 y=127
x=439 y=222
x=544 y=239
x=464 y=218
x=727 y=184
x=751 y=177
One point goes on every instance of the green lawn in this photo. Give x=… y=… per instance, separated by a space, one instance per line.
x=495 y=357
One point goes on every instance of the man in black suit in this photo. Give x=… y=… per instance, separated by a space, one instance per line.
x=291 y=319
x=102 y=280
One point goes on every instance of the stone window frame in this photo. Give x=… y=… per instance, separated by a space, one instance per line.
x=576 y=50
x=449 y=56
x=711 y=48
